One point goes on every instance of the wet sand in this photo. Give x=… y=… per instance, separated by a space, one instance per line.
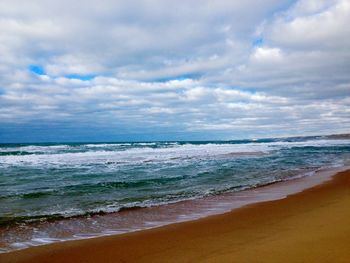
x=311 y=226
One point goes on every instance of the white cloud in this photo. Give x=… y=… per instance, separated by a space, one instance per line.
x=267 y=55
x=313 y=25
x=197 y=68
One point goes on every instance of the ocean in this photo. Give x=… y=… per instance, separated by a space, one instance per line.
x=63 y=191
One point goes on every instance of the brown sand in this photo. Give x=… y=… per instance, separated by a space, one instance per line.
x=311 y=226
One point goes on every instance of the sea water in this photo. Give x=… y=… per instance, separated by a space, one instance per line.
x=62 y=191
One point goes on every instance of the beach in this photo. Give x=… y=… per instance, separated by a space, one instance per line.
x=310 y=226
x=165 y=131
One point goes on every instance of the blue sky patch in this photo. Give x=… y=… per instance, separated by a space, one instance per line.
x=80 y=77
x=258 y=42
x=180 y=77
x=36 y=69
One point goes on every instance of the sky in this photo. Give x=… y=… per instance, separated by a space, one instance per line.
x=173 y=70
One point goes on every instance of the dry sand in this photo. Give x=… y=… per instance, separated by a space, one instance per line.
x=311 y=226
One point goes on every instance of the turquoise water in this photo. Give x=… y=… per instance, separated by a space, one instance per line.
x=53 y=181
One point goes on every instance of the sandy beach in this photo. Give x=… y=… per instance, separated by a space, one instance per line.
x=311 y=226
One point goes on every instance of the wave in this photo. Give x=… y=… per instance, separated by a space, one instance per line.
x=30 y=195
x=6 y=153
x=136 y=205
x=246 y=144
x=115 y=155
x=130 y=155
x=91 y=187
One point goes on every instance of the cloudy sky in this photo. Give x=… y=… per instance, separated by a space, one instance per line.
x=173 y=70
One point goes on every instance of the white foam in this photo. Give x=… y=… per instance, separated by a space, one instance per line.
x=134 y=155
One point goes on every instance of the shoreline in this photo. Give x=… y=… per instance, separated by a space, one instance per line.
x=225 y=236
x=133 y=220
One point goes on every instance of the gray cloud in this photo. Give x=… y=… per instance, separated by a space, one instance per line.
x=280 y=68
